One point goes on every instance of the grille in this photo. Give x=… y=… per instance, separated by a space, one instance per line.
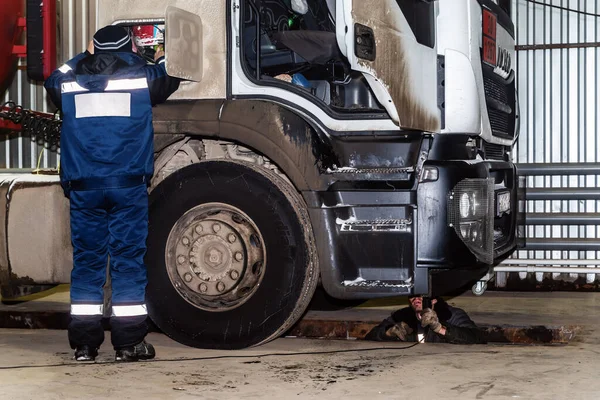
x=500 y=121
x=493 y=151
x=495 y=90
x=500 y=99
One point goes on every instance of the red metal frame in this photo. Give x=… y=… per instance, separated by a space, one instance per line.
x=20 y=50
x=11 y=126
x=49 y=27
x=12 y=28
x=48 y=10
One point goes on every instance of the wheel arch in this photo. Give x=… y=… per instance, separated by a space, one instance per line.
x=285 y=139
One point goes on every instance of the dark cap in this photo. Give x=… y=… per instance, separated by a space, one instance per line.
x=112 y=38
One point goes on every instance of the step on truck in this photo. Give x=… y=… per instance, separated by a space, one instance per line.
x=361 y=145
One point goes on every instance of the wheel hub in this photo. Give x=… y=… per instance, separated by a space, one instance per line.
x=212 y=260
x=215 y=254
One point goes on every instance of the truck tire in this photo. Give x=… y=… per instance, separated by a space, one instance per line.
x=231 y=256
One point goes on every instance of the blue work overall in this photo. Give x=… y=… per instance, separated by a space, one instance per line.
x=106 y=164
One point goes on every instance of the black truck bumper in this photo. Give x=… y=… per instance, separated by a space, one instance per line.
x=420 y=241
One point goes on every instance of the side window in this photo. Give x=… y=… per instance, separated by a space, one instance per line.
x=250 y=25
x=421 y=18
x=299 y=51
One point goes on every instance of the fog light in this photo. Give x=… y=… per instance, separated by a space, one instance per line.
x=470 y=213
x=471 y=231
x=475 y=233
x=464 y=231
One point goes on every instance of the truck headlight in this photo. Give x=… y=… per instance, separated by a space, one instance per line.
x=469 y=205
x=465 y=205
x=471 y=214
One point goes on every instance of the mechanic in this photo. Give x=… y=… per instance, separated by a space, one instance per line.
x=441 y=323
x=106 y=96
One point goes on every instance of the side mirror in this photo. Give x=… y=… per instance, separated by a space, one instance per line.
x=183 y=44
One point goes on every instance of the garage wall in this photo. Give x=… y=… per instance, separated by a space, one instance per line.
x=558 y=69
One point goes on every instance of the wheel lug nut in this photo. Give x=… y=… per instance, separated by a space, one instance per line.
x=198 y=228
x=234 y=274
x=188 y=277
x=181 y=259
x=231 y=238
x=220 y=286
x=238 y=256
x=185 y=241
x=203 y=287
x=216 y=228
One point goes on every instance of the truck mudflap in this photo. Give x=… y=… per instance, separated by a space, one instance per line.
x=35 y=237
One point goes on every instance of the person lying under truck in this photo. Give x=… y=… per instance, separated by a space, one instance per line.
x=434 y=322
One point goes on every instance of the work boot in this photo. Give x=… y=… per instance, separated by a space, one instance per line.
x=141 y=351
x=85 y=353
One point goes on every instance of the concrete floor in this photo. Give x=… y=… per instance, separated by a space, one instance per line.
x=35 y=364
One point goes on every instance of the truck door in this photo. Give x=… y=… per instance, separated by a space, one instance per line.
x=392 y=42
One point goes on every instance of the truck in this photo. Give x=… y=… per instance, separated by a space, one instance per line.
x=364 y=146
